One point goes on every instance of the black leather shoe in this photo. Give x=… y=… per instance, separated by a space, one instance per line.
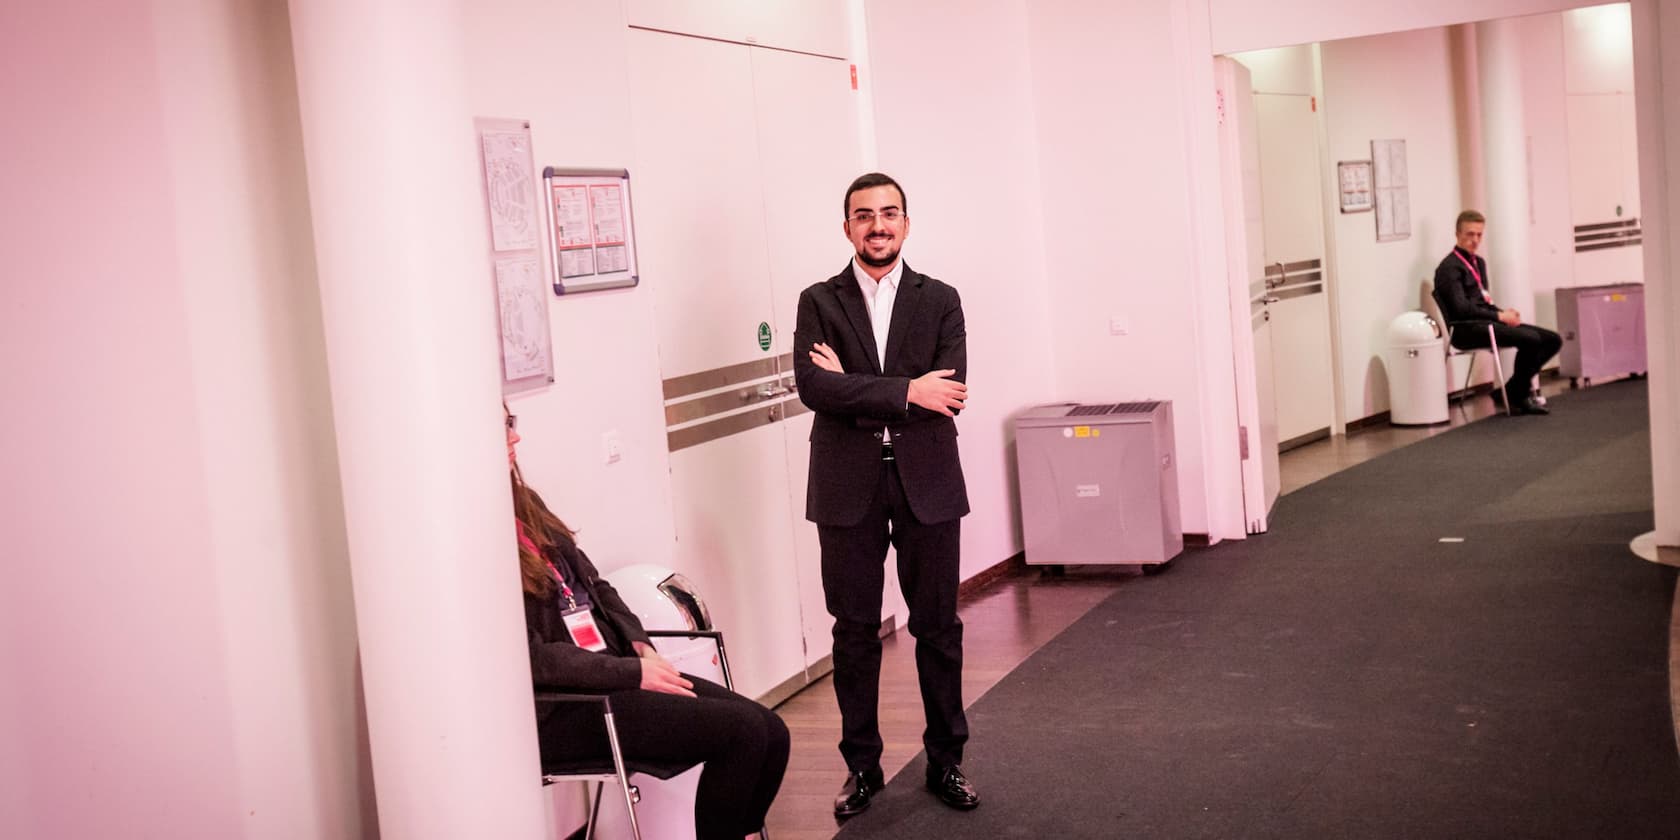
x=856 y=792
x=952 y=788
x=1533 y=405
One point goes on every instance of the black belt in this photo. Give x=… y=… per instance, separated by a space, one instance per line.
x=886 y=451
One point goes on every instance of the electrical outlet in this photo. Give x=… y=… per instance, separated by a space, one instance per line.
x=611 y=447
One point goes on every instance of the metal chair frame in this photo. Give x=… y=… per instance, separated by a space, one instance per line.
x=1492 y=349
x=620 y=769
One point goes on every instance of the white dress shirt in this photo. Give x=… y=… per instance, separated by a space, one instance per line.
x=879 y=296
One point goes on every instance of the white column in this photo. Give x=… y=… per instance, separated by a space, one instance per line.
x=1656 y=69
x=406 y=301
x=1505 y=163
x=1472 y=179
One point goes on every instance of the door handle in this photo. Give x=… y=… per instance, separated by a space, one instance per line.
x=770 y=390
x=1271 y=299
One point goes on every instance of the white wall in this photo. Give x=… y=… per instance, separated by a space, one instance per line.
x=1127 y=234
x=605 y=344
x=1389 y=87
x=1240 y=25
x=176 y=629
x=1551 y=244
x=1656 y=29
x=971 y=170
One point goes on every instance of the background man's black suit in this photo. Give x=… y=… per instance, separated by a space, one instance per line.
x=1467 y=308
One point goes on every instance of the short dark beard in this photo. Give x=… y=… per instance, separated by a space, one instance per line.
x=889 y=259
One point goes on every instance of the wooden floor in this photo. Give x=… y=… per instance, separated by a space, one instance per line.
x=1010 y=619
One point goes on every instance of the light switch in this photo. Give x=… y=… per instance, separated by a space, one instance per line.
x=611 y=447
x=1118 y=325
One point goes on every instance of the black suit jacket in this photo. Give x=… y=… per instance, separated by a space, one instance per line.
x=556 y=661
x=926 y=333
x=1458 y=292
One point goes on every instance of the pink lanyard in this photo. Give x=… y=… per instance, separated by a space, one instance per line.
x=1476 y=274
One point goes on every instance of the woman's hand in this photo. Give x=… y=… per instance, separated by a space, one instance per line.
x=658 y=675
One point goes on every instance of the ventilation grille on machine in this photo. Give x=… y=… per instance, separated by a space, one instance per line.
x=1113 y=408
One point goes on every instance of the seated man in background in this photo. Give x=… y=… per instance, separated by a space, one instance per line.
x=1461 y=286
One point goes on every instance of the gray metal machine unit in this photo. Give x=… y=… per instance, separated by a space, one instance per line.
x=1098 y=483
x=1603 y=330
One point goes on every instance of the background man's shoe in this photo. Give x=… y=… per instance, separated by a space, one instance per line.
x=952 y=788
x=856 y=792
x=1533 y=405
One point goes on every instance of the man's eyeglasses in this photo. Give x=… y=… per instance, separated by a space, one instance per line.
x=512 y=422
x=864 y=217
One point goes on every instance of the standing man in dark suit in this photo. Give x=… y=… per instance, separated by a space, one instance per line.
x=880 y=356
x=1461 y=287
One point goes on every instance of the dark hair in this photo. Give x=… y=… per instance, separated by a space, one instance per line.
x=1468 y=217
x=873 y=179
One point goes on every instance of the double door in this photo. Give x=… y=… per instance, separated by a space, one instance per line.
x=741 y=156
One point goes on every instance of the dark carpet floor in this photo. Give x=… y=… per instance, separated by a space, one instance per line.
x=1349 y=675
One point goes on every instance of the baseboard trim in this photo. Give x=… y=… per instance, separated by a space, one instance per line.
x=1363 y=423
x=1302 y=440
x=1012 y=564
x=1197 y=541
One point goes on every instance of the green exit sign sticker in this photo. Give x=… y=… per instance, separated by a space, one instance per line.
x=764 y=335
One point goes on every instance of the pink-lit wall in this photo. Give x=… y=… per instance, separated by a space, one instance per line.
x=972 y=166
x=175 y=630
x=1398 y=86
x=1127 y=247
x=1240 y=25
x=605 y=346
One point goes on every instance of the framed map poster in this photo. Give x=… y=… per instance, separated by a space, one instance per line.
x=591 y=229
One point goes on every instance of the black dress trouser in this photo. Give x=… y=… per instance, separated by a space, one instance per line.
x=853 y=573
x=1534 y=345
x=743 y=744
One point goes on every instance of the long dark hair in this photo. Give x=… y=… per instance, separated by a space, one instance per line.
x=545 y=530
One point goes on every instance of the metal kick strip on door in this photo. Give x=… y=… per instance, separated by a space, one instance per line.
x=1280 y=269
x=712 y=404
x=1284 y=281
x=723 y=377
x=1618 y=234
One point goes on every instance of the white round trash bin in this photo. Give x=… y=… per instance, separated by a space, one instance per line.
x=1417 y=371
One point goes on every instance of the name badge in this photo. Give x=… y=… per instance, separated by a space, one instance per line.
x=581 y=624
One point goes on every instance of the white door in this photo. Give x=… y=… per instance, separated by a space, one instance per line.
x=1604 y=189
x=1251 y=341
x=809 y=152
x=1292 y=209
x=741 y=155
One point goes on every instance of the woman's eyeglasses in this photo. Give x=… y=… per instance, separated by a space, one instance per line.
x=512 y=422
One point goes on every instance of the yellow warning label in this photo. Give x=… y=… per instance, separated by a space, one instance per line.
x=1081 y=431
x=1096 y=433
x=1617 y=298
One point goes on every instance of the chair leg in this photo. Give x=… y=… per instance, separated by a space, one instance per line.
x=1499 y=371
x=594 y=811
x=623 y=777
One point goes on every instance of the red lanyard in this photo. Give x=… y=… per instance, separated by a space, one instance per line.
x=526 y=541
x=1474 y=273
x=565 y=591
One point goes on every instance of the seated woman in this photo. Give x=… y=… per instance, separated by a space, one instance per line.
x=583 y=638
